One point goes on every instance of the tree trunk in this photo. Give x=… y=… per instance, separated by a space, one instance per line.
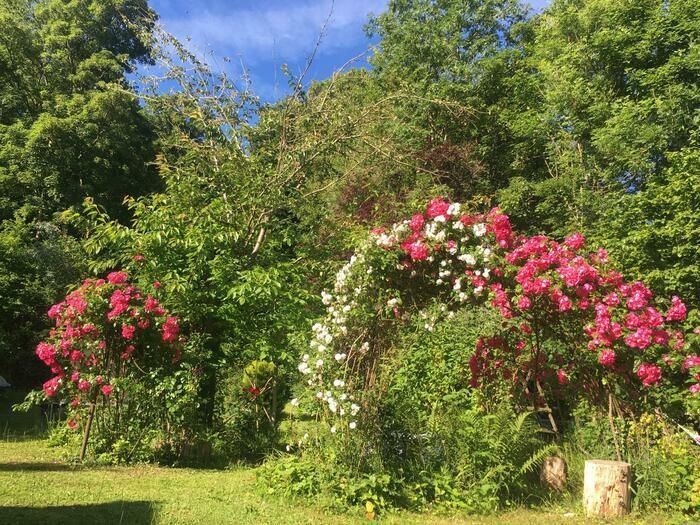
x=553 y=473
x=606 y=488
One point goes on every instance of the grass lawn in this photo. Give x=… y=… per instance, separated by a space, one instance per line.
x=36 y=487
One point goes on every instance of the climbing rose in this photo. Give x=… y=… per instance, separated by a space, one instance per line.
x=55 y=310
x=437 y=207
x=677 y=312
x=170 y=329
x=128 y=331
x=691 y=361
x=117 y=278
x=575 y=241
x=150 y=304
x=416 y=223
x=607 y=358
x=46 y=353
x=562 y=377
x=649 y=374
x=126 y=354
x=51 y=386
x=639 y=296
x=418 y=251
x=106 y=389
x=524 y=303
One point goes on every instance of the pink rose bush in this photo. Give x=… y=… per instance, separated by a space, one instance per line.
x=571 y=321
x=105 y=332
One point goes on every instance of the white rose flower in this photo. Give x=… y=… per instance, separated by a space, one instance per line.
x=326 y=298
x=468 y=259
x=479 y=229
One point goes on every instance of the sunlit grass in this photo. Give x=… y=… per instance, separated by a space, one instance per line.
x=37 y=487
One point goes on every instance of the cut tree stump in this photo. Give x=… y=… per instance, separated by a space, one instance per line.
x=553 y=473
x=606 y=488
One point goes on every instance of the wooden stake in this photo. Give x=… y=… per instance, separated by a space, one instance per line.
x=88 y=426
x=612 y=427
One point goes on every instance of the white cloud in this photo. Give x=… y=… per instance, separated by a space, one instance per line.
x=280 y=33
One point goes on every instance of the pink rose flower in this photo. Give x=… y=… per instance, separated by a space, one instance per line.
x=649 y=374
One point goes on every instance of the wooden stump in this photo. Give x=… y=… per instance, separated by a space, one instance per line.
x=606 y=488
x=553 y=473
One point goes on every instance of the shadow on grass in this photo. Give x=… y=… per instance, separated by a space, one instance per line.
x=112 y=513
x=36 y=467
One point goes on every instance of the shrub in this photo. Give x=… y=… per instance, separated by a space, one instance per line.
x=114 y=352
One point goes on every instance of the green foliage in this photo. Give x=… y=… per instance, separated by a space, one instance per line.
x=430 y=372
x=430 y=443
x=77 y=131
x=37 y=262
x=665 y=460
x=69 y=128
x=468 y=58
x=655 y=233
x=468 y=460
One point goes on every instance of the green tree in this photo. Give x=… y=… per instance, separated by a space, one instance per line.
x=619 y=95
x=470 y=56
x=69 y=128
x=655 y=233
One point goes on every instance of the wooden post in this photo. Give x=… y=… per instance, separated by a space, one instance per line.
x=606 y=488
x=88 y=425
x=553 y=473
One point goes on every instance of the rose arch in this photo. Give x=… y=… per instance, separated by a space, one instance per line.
x=571 y=323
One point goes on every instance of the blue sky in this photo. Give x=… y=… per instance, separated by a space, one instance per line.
x=262 y=35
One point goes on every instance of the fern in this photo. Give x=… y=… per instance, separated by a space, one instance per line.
x=538 y=457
